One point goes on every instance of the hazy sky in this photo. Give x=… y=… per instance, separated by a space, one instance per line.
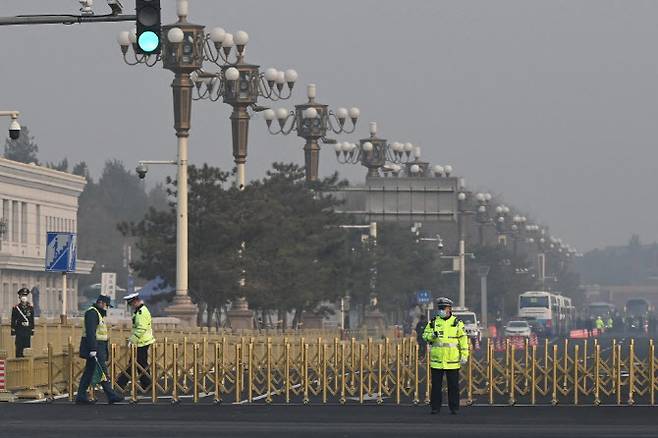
x=551 y=103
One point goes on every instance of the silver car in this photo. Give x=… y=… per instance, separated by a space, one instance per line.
x=518 y=328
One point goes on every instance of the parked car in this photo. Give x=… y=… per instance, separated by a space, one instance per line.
x=518 y=328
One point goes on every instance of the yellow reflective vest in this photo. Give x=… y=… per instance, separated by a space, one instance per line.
x=449 y=342
x=101 y=328
x=599 y=324
x=142 y=333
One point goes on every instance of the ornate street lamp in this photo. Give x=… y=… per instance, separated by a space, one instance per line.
x=182 y=53
x=377 y=154
x=312 y=121
x=240 y=85
x=482 y=213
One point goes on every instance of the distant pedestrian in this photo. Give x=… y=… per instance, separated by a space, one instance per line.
x=141 y=337
x=450 y=350
x=22 y=322
x=420 y=329
x=93 y=348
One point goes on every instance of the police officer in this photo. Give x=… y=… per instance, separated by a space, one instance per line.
x=141 y=337
x=600 y=325
x=22 y=322
x=449 y=351
x=93 y=348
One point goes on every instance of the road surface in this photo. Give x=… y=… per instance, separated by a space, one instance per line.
x=192 y=421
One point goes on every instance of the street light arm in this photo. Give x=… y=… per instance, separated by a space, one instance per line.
x=338 y=125
x=273 y=91
x=168 y=162
x=215 y=53
x=282 y=125
x=64 y=19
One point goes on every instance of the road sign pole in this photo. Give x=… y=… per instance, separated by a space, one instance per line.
x=64 y=294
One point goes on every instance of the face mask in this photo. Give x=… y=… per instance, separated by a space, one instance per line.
x=23 y=299
x=443 y=313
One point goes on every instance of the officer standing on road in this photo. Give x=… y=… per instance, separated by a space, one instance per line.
x=449 y=352
x=22 y=322
x=93 y=348
x=141 y=337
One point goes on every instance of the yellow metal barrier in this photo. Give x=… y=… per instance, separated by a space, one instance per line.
x=229 y=369
x=267 y=370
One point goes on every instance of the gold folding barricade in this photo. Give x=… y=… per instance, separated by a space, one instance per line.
x=383 y=371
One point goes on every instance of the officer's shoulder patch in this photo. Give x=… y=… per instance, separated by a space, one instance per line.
x=457 y=322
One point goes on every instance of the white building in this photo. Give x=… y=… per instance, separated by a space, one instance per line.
x=35 y=200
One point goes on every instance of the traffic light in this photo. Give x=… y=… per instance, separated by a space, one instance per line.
x=148 y=26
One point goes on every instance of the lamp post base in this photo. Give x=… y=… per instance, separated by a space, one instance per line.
x=374 y=320
x=240 y=317
x=183 y=309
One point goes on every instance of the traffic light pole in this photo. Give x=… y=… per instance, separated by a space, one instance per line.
x=64 y=19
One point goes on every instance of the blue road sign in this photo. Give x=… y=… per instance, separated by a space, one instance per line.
x=423 y=297
x=61 y=252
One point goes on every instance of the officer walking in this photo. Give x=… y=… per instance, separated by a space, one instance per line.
x=93 y=348
x=22 y=322
x=448 y=353
x=141 y=337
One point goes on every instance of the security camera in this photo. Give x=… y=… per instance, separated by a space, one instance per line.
x=141 y=170
x=86 y=7
x=14 y=130
x=116 y=6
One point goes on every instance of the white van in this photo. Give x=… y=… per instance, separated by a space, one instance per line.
x=471 y=323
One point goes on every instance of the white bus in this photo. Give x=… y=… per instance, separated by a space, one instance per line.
x=549 y=313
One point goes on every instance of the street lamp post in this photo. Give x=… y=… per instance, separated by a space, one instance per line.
x=537 y=234
x=240 y=85
x=373 y=318
x=518 y=229
x=182 y=53
x=483 y=271
x=462 y=211
x=376 y=154
x=312 y=121
x=482 y=214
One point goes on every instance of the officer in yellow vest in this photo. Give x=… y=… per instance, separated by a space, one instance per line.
x=600 y=325
x=449 y=352
x=93 y=348
x=141 y=337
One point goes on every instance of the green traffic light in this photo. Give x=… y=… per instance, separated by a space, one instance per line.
x=148 y=41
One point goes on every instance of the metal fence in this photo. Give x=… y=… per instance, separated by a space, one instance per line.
x=58 y=336
x=384 y=371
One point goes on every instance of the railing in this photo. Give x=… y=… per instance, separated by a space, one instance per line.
x=58 y=336
x=257 y=370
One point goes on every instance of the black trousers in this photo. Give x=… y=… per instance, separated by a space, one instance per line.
x=143 y=361
x=452 y=376
x=22 y=342
x=88 y=374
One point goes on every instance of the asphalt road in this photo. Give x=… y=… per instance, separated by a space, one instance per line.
x=164 y=420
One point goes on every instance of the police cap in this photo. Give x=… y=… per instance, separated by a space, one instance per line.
x=104 y=299
x=23 y=291
x=443 y=302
